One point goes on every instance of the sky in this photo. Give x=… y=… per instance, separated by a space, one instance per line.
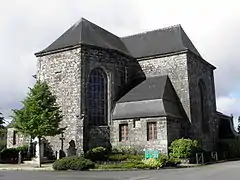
x=28 y=26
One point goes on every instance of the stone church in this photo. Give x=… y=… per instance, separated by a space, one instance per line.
x=141 y=91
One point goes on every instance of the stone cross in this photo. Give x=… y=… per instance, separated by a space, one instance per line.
x=62 y=139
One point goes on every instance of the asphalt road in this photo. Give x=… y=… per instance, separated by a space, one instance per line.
x=221 y=171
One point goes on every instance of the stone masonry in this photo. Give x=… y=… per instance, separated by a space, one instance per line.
x=66 y=66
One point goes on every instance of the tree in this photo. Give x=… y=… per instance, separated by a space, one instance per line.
x=40 y=115
x=2 y=128
x=239 y=124
x=1 y=121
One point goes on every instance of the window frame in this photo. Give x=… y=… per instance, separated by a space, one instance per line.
x=123 y=136
x=14 y=137
x=97 y=97
x=151 y=131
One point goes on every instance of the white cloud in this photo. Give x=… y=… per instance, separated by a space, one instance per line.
x=229 y=106
x=28 y=26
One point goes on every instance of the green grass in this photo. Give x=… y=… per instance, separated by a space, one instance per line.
x=123 y=165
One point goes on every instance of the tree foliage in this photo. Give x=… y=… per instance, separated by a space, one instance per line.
x=40 y=115
x=1 y=121
x=239 y=124
x=2 y=127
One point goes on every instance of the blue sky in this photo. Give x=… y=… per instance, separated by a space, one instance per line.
x=28 y=26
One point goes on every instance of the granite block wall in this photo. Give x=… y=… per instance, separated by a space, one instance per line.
x=138 y=134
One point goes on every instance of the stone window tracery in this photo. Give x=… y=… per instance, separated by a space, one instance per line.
x=97 y=98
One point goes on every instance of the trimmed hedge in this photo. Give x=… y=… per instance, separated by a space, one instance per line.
x=10 y=155
x=125 y=157
x=73 y=163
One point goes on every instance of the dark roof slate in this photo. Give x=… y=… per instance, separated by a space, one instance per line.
x=153 y=97
x=87 y=33
x=161 y=41
x=151 y=88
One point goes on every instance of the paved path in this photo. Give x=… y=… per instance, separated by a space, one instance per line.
x=221 y=171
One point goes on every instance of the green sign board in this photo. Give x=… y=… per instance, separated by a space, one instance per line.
x=151 y=154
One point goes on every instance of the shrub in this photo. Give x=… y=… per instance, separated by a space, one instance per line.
x=183 y=148
x=152 y=163
x=24 y=151
x=10 y=155
x=172 y=162
x=125 y=150
x=163 y=159
x=125 y=157
x=73 y=163
x=124 y=165
x=167 y=161
x=97 y=154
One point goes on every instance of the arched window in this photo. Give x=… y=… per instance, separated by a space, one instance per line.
x=97 y=98
x=203 y=106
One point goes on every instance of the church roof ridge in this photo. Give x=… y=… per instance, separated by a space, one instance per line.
x=87 y=33
x=154 y=30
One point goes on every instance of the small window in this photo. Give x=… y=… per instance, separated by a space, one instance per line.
x=151 y=131
x=14 y=137
x=123 y=132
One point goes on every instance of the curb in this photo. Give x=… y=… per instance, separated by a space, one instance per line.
x=25 y=169
x=135 y=169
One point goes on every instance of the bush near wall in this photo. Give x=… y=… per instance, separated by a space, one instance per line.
x=97 y=154
x=73 y=163
x=10 y=155
x=184 y=148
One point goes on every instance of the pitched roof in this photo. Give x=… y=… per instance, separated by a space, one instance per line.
x=161 y=41
x=153 y=97
x=85 y=32
x=151 y=88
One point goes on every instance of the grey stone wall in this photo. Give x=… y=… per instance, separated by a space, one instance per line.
x=175 y=129
x=122 y=73
x=175 y=67
x=62 y=72
x=184 y=71
x=99 y=136
x=20 y=139
x=198 y=69
x=67 y=73
x=138 y=135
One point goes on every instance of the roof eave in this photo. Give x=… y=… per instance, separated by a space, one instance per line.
x=44 y=53
x=161 y=55
x=203 y=60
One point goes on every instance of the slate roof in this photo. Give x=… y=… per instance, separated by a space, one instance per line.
x=85 y=32
x=153 y=97
x=161 y=41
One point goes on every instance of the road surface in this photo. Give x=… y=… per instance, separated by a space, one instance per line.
x=221 y=171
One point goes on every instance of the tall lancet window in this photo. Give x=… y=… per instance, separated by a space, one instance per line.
x=203 y=106
x=97 y=98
